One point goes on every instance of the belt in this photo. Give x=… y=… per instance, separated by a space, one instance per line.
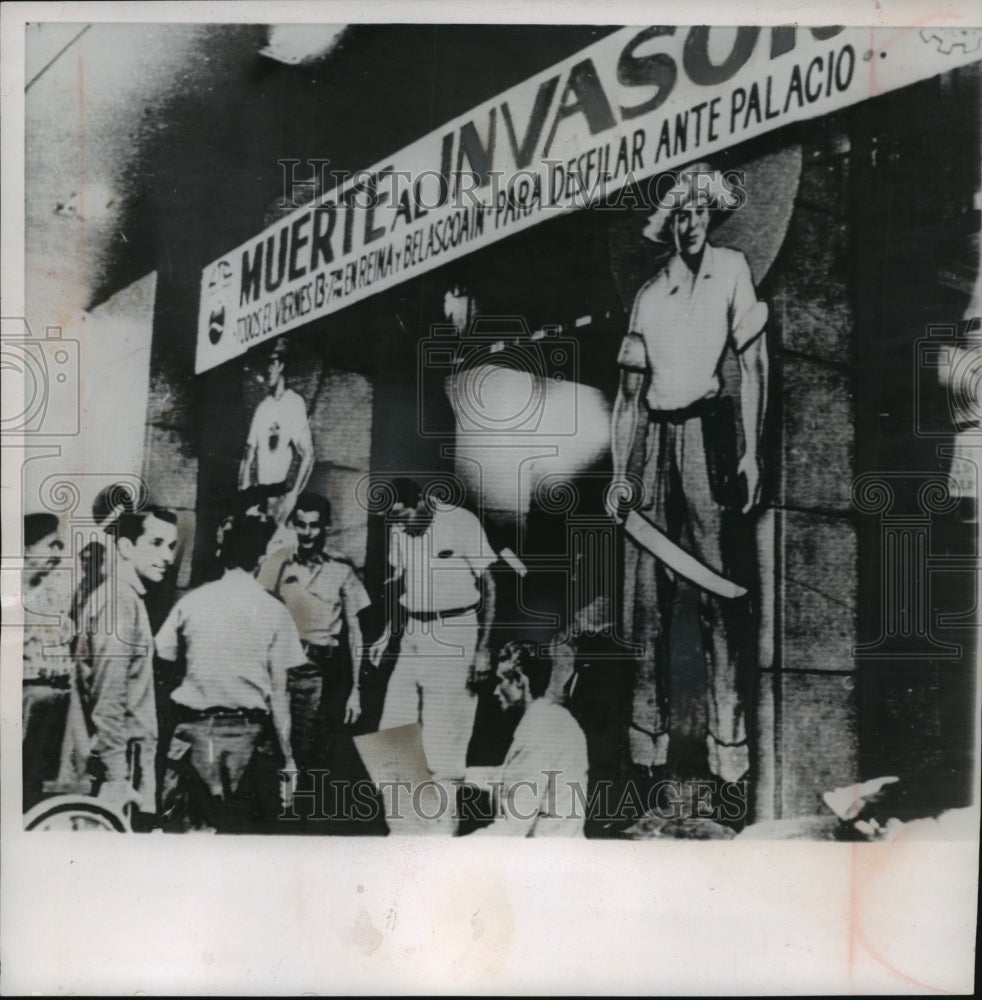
x=61 y=682
x=320 y=654
x=248 y=714
x=432 y=616
x=697 y=409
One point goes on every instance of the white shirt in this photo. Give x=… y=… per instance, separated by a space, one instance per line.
x=238 y=642
x=685 y=325
x=47 y=625
x=276 y=425
x=544 y=777
x=442 y=567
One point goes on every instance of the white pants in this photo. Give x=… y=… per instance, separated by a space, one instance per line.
x=429 y=686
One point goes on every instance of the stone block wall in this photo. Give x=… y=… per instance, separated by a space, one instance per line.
x=806 y=701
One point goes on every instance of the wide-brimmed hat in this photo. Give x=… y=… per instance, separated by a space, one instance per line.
x=698 y=183
x=757 y=228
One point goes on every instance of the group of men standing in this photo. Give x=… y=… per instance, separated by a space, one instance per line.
x=267 y=663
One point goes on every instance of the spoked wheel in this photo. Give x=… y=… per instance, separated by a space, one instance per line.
x=74 y=812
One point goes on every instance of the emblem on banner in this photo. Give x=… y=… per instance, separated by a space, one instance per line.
x=219 y=282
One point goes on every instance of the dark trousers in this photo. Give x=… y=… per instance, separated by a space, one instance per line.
x=222 y=774
x=45 y=709
x=322 y=742
x=319 y=693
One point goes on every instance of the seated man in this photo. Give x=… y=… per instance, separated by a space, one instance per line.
x=542 y=785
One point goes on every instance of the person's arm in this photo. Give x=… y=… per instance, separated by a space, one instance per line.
x=623 y=428
x=285 y=652
x=279 y=706
x=271 y=571
x=111 y=658
x=485 y=619
x=283 y=657
x=392 y=589
x=248 y=458
x=354 y=599
x=352 y=710
x=303 y=445
x=754 y=366
x=748 y=317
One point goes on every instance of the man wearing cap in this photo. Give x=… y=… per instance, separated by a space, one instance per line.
x=279 y=453
x=672 y=428
x=441 y=557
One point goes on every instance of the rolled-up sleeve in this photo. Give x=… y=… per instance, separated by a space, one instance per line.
x=167 y=640
x=285 y=650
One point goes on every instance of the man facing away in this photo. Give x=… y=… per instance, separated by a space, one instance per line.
x=680 y=438
x=441 y=558
x=542 y=785
x=111 y=734
x=236 y=644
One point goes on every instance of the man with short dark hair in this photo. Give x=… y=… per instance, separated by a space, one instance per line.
x=324 y=596
x=543 y=781
x=236 y=645
x=441 y=559
x=111 y=735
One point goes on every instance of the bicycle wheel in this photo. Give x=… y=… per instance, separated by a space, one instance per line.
x=74 y=812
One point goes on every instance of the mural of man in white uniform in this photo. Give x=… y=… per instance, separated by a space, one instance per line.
x=279 y=452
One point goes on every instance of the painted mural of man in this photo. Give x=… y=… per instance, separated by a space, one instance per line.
x=279 y=452
x=673 y=427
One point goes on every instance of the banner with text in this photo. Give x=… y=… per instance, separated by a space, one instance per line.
x=640 y=102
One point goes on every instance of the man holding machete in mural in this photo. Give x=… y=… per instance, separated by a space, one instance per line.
x=676 y=432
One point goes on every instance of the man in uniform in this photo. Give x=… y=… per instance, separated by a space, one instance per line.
x=236 y=644
x=442 y=559
x=680 y=438
x=324 y=596
x=111 y=735
x=279 y=452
